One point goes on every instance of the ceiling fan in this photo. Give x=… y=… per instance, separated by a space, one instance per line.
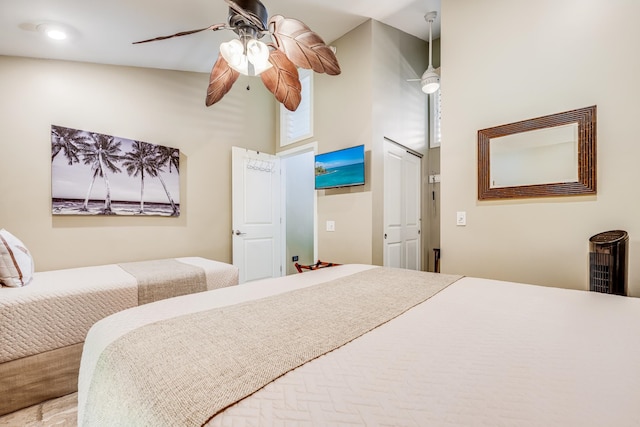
x=430 y=80
x=293 y=45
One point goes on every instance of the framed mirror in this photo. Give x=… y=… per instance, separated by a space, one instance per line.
x=547 y=156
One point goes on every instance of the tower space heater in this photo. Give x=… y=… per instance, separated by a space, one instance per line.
x=608 y=256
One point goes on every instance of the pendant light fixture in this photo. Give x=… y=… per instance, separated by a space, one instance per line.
x=430 y=80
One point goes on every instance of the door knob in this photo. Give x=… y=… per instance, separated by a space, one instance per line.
x=239 y=233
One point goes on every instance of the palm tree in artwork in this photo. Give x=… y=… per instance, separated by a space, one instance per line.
x=167 y=156
x=101 y=154
x=140 y=160
x=68 y=142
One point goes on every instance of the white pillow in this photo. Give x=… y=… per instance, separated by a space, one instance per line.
x=16 y=263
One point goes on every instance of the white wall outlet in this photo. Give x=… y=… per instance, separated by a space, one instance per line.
x=331 y=226
x=461 y=218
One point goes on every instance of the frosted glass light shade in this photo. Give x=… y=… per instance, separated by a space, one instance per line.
x=233 y=53
x=257 y=55
x=430 y=81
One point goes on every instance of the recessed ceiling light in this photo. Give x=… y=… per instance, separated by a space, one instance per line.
x=56 y=34
x=54 y=31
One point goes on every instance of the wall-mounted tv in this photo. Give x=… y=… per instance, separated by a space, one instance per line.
x=341 y=168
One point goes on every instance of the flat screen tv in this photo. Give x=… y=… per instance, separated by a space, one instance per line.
x=341 y=168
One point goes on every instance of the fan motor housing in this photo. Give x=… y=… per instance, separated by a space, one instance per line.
x=253 y=7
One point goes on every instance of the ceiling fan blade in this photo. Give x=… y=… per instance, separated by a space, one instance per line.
x=248 y=16
x=185 y=33
x=282 y=80
x=302 y=46
x=220 y=82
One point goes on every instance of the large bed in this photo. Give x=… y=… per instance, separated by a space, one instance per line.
x=466 y=351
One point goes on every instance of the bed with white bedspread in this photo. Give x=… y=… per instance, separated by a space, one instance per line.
x=468 y=352
x=43 y=324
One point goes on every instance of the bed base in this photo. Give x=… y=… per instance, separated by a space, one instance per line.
x=34 y=379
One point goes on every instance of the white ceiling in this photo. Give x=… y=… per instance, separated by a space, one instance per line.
x=104 y=30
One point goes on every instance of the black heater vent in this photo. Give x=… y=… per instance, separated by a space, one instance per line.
x=608 y=258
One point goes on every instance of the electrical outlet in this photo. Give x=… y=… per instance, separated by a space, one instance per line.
x=294 y=258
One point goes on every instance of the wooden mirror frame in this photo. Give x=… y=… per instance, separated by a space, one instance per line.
x=586 y=184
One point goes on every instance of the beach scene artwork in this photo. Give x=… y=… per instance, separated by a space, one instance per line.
x=98 y=174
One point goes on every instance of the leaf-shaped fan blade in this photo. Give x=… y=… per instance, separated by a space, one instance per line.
x=185 y=33
x=304 y=48
x=282 y=80
x=220 y=82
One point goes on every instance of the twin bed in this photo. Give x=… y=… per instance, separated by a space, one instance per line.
x=363 y=345
x=43 y=324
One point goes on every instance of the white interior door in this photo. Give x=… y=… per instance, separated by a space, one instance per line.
x=402 y=219
x=256 y=214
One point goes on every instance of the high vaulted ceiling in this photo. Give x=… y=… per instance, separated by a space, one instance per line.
x=104 y=30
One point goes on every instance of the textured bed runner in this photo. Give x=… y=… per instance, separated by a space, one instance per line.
x=165 y=278
x=185 y=370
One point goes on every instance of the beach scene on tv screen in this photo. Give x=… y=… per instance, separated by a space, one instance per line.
x=340 y=168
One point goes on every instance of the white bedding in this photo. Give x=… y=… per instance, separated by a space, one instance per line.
x=481 y=352
x=58 y=307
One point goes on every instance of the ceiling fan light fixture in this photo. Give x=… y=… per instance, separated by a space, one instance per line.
x=252 y=63
x=258 y=55
x=233 y=52
x=430 y=81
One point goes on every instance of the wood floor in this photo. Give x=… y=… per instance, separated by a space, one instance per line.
x=60 y=412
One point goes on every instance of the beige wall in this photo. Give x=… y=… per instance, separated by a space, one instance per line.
x=160 y=107
x=508 y=61
x=343 y=106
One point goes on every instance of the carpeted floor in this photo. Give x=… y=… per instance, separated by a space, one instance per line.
x=60 y=412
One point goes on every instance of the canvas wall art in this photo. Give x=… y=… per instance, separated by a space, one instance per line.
x=98 y=174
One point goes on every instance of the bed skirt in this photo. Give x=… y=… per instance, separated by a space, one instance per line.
x=34 y=379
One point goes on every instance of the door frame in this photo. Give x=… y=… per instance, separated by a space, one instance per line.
x=292 y=152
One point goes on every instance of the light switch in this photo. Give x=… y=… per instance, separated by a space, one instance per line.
x=461 y=218
x=331 y=226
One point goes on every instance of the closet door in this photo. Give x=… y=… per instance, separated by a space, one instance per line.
x=402 y=232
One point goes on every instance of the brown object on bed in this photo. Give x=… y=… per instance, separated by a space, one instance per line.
x=317 y=265
x=40 y=377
